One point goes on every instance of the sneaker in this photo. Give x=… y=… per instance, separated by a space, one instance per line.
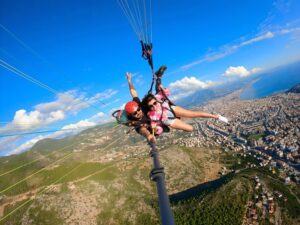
x=160 y=71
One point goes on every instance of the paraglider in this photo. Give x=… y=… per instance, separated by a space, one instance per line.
x=156 y=113
x=162 y=112
x=134 y=114
x=139 y=16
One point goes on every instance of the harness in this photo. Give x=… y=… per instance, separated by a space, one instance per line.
x=147 y=53
x=170 y=104
x=122 y=118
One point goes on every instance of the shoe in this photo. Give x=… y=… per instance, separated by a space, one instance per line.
x=160 y=71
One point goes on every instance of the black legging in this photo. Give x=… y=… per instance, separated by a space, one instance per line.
x=157 y=85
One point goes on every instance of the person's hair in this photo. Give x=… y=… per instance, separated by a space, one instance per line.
x=147 y=98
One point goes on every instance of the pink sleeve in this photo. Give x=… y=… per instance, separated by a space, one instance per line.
x=153 y=117
x=160 y=95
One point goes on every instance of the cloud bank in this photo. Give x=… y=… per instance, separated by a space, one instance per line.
x=230 y=49
x=70 y=129
x=240 y=71
x=44 y=114
x=188 y=86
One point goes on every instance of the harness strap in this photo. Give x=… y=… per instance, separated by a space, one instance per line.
x=162 y=111
x=170 y=103
x=153 y=80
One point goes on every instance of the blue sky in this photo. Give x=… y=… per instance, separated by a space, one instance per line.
x=82 y=49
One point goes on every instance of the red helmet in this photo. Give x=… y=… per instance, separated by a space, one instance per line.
x=131 y=107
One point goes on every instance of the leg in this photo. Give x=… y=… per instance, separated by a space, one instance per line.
x=157 y=84
x=181 y=112
x=179 y=124
x=159 y=73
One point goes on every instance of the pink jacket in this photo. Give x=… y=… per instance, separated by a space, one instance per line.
x=161 y=112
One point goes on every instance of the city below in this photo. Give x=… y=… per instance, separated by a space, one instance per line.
x=267 y=128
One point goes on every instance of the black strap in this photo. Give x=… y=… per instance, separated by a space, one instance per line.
x=147 y=53
x=114 y=114
x=162 y=111
x=170 y=103
x=153 y=80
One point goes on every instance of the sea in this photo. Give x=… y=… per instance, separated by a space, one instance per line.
x=273 y=82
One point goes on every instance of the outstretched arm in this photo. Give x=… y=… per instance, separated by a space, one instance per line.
x=145 y=132
x=131 y=88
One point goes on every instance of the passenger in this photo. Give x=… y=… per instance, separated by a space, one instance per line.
x=163 y=112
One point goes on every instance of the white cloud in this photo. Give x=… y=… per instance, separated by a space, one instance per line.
x=75 y=128
x=210 y=57
x=34 y=119
x=70 y=129
x=45 y=114
x=26 y=145
x=103 y=95
x=240 y=71
x=79 y=125
x=27 y=119
x=227 y=50
x=267 y=35
x=67 y=130
x=48 y=113
x=72 y=101
x=179 y=95
x=55 y=116
x=188 y=83
x=100 y=118
x=289 y=30
x=65 y=101
x=100 y=114
x=8 y=143
x=230 y=49
x=279 y=9
x=187 y=86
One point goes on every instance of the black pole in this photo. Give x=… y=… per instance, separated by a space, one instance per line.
x=157 y=174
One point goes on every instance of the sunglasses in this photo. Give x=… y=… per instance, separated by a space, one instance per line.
x=135 y=112
x=153 y=104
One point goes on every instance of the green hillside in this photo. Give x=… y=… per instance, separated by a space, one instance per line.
x=101 y=176
x=228 y=204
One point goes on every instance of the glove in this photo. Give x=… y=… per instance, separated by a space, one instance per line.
x=223 y=119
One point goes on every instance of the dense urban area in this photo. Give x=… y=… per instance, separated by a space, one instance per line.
x=268 y=130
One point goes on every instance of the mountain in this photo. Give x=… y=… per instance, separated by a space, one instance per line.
x=100 y=176
x=260 y=85
x=295 y=89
